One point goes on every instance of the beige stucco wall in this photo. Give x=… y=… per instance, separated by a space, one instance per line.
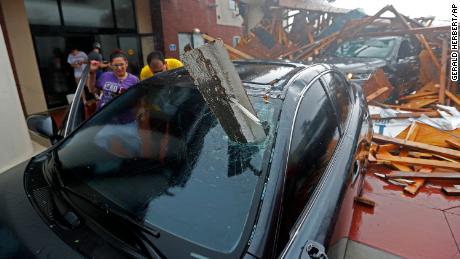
x=25 y=61
x=15 y=143
x=144 y=26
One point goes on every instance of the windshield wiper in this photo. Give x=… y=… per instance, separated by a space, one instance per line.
x=144 y=229
x=59 y=185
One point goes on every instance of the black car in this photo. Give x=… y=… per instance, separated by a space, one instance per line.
x=153 y=174
x=360 y=57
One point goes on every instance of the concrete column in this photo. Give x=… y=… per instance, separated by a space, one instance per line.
x=15 y=143
x=22 y=48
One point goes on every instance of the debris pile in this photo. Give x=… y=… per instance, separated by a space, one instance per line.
x=416 y=120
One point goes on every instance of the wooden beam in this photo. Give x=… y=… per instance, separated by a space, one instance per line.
x=229 y=48
x=420 y=37
x=432 y=114
x=417 y=95
x=406 y=32
x=377 y=93
x=418 y=146
x=432 y=175
x=442 y=74
x=451 y=191
x=417 y=161
x=454 y=98
x=453 y=143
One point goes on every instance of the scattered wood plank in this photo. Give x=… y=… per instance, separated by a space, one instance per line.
x=453 y=143
x=364 y=201
x=377 y=93
x=373 y=86
x=418 y=146
x=432 y=175
x=431 y=114
x=417 y=161
x=419 y=182
x=416 y=104
x=451 y=191
x=453 y=97
x=417 y=95
x=442 y=74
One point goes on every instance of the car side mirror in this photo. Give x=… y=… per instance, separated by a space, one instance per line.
x=43 y=125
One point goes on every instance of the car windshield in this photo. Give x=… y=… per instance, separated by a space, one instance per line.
x=366 y=48
x=158 y=153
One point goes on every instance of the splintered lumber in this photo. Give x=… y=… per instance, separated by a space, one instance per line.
x=420 y=103
x=453 y=143
x=405 y=32
x=217 y=80
x=229 y=48
x=373 y=87
x=418 y=146
x=419 y=182
x=451 y=191
x=430 y=114
x=433 y=136
x=432 y=175
x=454 y=98
x=442 y=74
x=417 y=95
x=377 y=93
x=364 y=201
x=418 y=161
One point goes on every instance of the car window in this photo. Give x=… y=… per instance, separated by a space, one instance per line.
x=159 y=153
x=366 y=48
x=341 y=92
x=314 y=138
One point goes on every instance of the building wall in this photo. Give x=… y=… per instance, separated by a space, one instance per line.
x=184 y=16
x=227 y=13
x=25 y=61
x=15 y=143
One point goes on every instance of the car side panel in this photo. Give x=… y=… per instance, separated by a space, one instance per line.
x=319 y=215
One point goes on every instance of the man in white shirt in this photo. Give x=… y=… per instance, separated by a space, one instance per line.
x=77 y=59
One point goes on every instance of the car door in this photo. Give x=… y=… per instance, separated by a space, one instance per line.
x=313 y=227
x=75 y=114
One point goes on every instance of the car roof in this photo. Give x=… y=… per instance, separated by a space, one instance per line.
x=261 y=77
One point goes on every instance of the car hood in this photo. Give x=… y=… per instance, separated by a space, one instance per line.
x=23 y=233
x=355 y=65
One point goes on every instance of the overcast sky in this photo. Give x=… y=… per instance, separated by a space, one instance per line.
x=412 y=8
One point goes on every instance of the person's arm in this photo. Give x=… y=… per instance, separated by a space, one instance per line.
x=91 y=82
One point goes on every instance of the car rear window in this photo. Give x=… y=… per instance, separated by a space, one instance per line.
x=159 y=153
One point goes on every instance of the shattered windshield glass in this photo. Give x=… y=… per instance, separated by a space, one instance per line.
x=157 y=152
x=368 y=48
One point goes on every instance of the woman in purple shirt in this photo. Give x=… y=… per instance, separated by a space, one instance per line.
x=112 y=83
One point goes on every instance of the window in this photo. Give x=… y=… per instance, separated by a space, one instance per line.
x=340 y=91
x=366 y=48
x=91 y=13
x=314 y=139
x=232 y=5
x=43 y=12
x=164 y=142
x=124 y=13
x=195 y=40
x=236 y=40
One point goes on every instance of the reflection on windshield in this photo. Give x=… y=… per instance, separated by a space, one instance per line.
x=366 y=48
x=160 y=154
